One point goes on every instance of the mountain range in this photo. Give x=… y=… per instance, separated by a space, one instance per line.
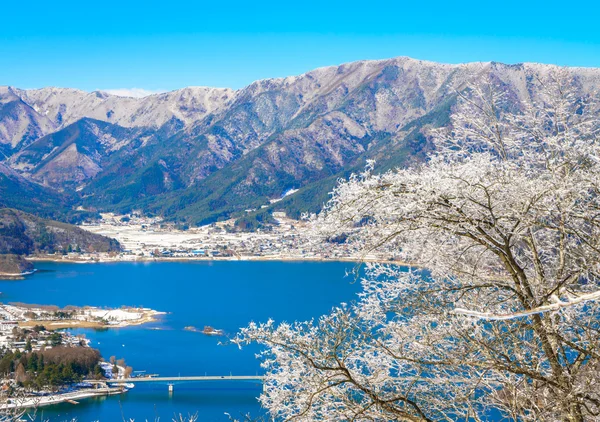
x=198 y=154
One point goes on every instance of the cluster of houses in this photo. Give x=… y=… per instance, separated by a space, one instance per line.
x=144 y=238
x=13 y=337
x=289 y=239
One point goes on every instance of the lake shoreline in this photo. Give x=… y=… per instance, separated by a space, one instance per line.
x=15 y=276
x=34 y=402
x=88 y=259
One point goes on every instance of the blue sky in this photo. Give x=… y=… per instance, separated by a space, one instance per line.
x=170 y=44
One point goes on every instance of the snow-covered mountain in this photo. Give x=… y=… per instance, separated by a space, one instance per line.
x=64 y=106
x=204 y=153
x=20 y=124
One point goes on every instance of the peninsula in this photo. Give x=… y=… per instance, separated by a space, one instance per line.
x=43 y=366
x=14 y=267
x=54 y=318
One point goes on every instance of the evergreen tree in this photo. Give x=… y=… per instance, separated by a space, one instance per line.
x=32 y=365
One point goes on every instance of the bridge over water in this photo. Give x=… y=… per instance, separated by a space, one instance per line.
x=171 y=380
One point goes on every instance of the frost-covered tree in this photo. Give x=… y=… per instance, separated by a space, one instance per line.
x=499 y=315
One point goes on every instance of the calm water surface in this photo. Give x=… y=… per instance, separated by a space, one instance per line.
x=225 y=295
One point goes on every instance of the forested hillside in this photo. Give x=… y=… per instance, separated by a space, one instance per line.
x=24 y=234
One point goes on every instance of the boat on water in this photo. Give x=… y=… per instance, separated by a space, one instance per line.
x=124 y=387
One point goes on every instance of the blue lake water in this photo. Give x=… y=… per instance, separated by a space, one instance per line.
x=224 y=295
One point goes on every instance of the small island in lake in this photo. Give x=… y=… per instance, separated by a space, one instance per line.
x=208 y=330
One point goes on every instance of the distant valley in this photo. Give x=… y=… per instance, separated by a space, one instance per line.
x=199 y=155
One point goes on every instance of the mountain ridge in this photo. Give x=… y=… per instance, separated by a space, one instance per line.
x=200 y=154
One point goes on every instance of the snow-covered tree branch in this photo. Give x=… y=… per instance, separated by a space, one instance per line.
x=504 y=220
